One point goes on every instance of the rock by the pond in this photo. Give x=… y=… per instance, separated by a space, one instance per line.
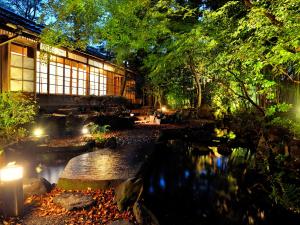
x=143 y=215
x=36 y=186
x=128 y=192
x=104 y=168
x=120 y=222
x=72 y=201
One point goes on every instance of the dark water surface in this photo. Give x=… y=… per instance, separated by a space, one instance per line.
x=190 y=184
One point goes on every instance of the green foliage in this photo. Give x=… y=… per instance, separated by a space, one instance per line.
x=97 y=129
x=248 y=51
x=17 y=110
x=240 y=156
x=291 y=124
x=100 y=139
x=72 y=24
x=278 y=108
x=223 y=133
x=284 y=194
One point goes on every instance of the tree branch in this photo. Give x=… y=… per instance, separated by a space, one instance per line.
x=269 y=15
x=289 y=76
x=246 y=94
x=233 y=91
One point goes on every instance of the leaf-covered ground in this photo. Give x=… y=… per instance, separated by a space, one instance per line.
x=40 y=210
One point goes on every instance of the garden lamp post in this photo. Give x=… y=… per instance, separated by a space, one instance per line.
x=11 y=180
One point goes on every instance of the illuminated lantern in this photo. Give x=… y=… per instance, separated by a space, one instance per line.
x=85 y=131
x=163 y=108
x=11 y=179
x=38 y=132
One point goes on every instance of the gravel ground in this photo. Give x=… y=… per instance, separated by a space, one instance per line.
x=138 y=135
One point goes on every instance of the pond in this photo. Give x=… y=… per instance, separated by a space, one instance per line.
x=36 y=164
x=190 y=184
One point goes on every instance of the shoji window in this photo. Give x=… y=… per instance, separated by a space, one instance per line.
x=22 y=68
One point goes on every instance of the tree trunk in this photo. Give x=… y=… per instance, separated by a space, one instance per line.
x=198 y=90
x=197 y=77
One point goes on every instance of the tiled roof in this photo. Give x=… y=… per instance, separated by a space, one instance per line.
x=97 y=53
x=7 y=16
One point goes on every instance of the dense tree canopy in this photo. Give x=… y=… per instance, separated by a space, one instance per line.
x=30 y=9
x=239 y=52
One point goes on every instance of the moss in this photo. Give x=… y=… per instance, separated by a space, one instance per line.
x=79 y=184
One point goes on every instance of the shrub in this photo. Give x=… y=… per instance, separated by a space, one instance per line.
x=97 y=129
x=16 y=111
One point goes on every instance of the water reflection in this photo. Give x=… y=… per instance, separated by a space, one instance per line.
x=184 y=183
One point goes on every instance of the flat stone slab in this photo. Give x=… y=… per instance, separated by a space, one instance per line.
x=72 y=201
x=104 y=168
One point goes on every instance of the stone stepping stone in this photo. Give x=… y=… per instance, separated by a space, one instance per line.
x=104 y=168
x=72 y=201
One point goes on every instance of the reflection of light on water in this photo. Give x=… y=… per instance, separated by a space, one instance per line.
x=203 y=172
x=162 y=182
x=219 y=163
x=151 y=189
x=52 y=173
x=39 y=168
x=209 y=164
x=186 y=174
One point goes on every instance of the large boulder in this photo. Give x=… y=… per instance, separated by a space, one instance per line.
x=128 y=192
x=36 y=186
x=72 y=201
x=143 y=215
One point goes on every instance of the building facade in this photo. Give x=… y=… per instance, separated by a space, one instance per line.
x=55 y=75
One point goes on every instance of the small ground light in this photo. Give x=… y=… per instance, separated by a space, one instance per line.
x=11 y=178
x=131 y=114
x=163 y=108
x=38 y=132
x=85 y=130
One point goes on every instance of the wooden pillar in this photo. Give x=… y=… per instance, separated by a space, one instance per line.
x=4 y=73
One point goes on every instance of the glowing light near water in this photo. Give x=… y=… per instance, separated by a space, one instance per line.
x=38 y=132
x=163 y=108
x=85 y=130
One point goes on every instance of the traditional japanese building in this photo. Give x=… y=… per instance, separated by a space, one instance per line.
x=58 y=76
